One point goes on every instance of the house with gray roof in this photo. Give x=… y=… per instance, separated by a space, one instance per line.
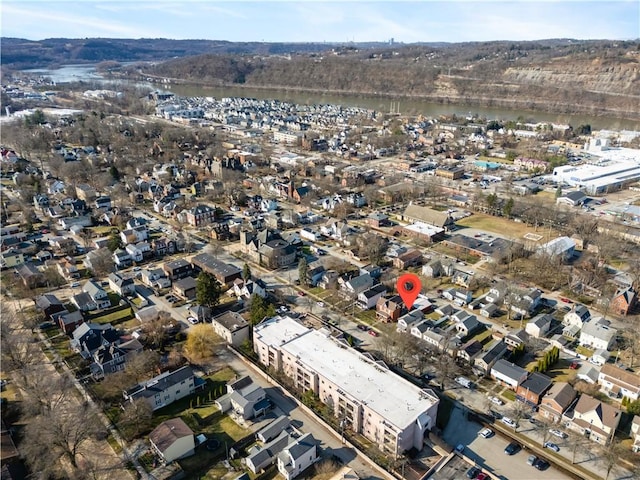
x=357 y=285
x=97 y=294
x=273 y=429
x=531 y=390
x=232 y=327
x=244 y=398
x=260 y=457
x=164 y=389
x=539 y=325
x=557 y=400
x=485 y=361
x=508 y=374
x=298 y=456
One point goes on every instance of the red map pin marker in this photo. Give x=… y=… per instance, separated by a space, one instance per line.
x=409 y=287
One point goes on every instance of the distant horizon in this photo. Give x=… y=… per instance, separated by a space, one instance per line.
x=332 y=21
x=329 y=42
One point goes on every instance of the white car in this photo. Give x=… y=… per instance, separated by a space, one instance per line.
x=486 y=433
x=192 y=320
x=496 y=401
x=509 y=422
x=320 y=304
x=558 y=433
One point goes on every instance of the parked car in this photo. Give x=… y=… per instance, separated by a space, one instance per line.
x=486 y=433
x=301 y=293
x=75 y=285
x=532 y=460
x=574 y=365
x=509 y=422
x=192 y=320
x=551 y=446
x=364 y=328
x=373 y=333
x=512 y=448
x=496 y=401
x=473 y=472
x=320 y=304
x=541 y=464
x=482 y=476
x=558 y=433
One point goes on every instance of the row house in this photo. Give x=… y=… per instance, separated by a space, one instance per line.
x=619 y=383
x=595 y=419
x=177 y=269
x=557 y=401
x=225 y=273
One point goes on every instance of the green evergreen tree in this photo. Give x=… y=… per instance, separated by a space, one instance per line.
x=303 y=268
x=246 y=272
x=208 y=290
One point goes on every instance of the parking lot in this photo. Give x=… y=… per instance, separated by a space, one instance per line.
x=488 y=453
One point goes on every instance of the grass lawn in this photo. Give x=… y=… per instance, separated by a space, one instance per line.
x=483 y=337
x=509 y=395
x=587 y=352
x=560 y=372
x=499 y=225
x=115 y=317
x=366 y=316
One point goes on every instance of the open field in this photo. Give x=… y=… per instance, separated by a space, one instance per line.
x=501 y=226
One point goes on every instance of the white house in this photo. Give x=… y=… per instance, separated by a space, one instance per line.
x=538 y=326
x=508 y=373
x=97 y=294
x=619 y=383
x=578 y=316
x=164 y=389
x=231 y=327
x=134 y=252
x=172 y=440
x=297 y=456
x=369 y=298
x=596 y=335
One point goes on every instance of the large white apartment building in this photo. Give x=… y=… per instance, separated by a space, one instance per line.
x=363 y=393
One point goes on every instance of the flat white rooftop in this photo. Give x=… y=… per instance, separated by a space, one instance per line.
x=424 y=229
x=278 y=330
x=389 y=395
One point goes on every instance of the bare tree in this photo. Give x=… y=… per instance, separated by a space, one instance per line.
x=60 y=433
x=136 y=418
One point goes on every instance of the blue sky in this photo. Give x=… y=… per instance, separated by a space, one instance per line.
x=314 y=21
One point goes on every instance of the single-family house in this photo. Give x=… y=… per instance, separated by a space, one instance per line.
x=623 y=301
x=155 y=278
x=485 y=361
x=468 y=326
x=578 y=316
x=497 y=293
x=84 y=302
x=619 y=383
x=260 y=457
x=389 y=309
x=516 y=338
x=172 y=440
x=594 y=419
x=97 y=294
x=273 y=429
x=244 y=398
x=231 y=327
x=489 y=310
x=298 y=456
x=595 y=334
x=508 y=374
x=533 y=388
x=50 y=305
x=557 y=400
x=123 y=286
x=246 y=290
x=89 y=337
x=112 y=358
x=135 y=234
x=134 y=252
x=70 y=321
x=185 y=288
x=11 y=259
x=539 y=325
x=469 y=351
x=600 y=357
x=407 y=321
x=369 y=298
x=328 y=280
x=31 y=276
x=201 y=312
x=122 y=258
x=164 y=389
x=408 y=259
x=356 y=285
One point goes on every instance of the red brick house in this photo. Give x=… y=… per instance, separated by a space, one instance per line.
x=389 y=309
x=623 y=301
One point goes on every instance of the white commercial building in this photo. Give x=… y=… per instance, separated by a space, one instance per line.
x=364 y=394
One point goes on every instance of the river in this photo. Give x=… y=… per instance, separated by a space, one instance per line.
x=75 y=73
